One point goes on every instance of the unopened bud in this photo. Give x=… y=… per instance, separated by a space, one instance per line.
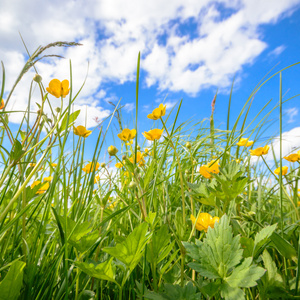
x=57 y=109
x=188 y=145
x=37 y=78
x=112 y=150
x=124 y=157
x=138 y=147
x=132 y=184
x=103 y=165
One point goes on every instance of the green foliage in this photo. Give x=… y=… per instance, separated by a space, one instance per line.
x=171 y=292
x=72 y=118
x=11 y=285
x=219 y=256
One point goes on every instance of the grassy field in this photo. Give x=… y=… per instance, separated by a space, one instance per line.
x=198 y=214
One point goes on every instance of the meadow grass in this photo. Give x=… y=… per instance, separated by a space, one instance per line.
x=193 y=216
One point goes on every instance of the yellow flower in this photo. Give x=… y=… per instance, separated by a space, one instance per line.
x=140 y=159
x=260 y=151
x=97 y=178
x=284 y=170
x=204 y=221
x=127 y=134
x=119 y=165
x=292 y=157
x=112 y=150
x=242 y=142
x=32 y=165
x=42 y=189
x=157 y=112
x=153 y=134
x=146 y=150
x=81 y=131
x=129 y=143
x=2 y=104
x=58 y=89
x=48 y=178
x=249 y=143
x=90 y=167
x=208 y=169
x=54 y=165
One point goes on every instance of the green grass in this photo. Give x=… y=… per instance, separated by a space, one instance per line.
x=129 y=235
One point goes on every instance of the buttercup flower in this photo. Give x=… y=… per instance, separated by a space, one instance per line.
x=81 y=131
x=204 y=221
x=90 y=167
x=48 y=178
x=208 y=169
x=119 y=165
x=112 y=150
x=139 y=159
x=42 y=189
x=284 y=170
x=157 y=112
x=54 y=165
x=127 y=134
x=292 y=157
x=97 y=178
x=2 y=104
x=260 y=151
x=58 y=89
x=245 y=142
x=153 y=134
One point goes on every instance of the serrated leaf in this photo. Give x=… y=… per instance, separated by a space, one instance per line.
x=131 y=249
x=274 y=278
x=245 y=275
x=11 y=285
x=231 y=293
x=102 y=271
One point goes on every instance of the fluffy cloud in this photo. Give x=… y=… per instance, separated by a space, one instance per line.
x=185 y=45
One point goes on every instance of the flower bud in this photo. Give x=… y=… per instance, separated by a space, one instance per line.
x=37 y=78
x=138 y=147
x=132 y=184
x=112 y=150
x=57 y=109
x=124 y=158
x=188 y=145
x=103 y=165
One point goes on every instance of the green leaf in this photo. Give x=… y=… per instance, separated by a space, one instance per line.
x=231 y=293
x=245 y=275
x=160 y=242
x=72 y=119
x=284 y=247
x=130 y=251
x=180 y=229
x=11 y=285
x=218 y=253
x=188 y=292
x=262 y=237
x=247 y=245
x=17 y=151
x=201 y=193
x=102 y=271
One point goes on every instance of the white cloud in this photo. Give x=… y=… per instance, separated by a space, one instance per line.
x=277 y=51
x=290 y=143
x=113 y=32
x=129 y=107
x=291 y=114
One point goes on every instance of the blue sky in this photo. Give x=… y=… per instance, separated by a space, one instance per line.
x=189 y=50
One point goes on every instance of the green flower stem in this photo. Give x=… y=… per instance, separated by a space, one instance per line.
x=180 y=172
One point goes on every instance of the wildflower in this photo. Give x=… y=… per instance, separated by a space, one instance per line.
x=129 y=143
x=42 y=189
x=204 y=221
x=153 y=134
x=103 y=165
x=245 y=142
x=157 y=112
x=132 y=184
x=292 y=157
x=97 y=178
x=119 y=165
x=146 y=150
x=260 y=151
x=284 y=170
x=48 y=178
x=90 y=167
x=127 y=134
x=2 y=104
x=211 y=167
x=112 y=150
x=54 y=165
x=81 y=131
x=139 y=159
x=31 y=165
x=58 y=89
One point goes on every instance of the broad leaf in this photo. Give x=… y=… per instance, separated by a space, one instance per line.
x=11 y=285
